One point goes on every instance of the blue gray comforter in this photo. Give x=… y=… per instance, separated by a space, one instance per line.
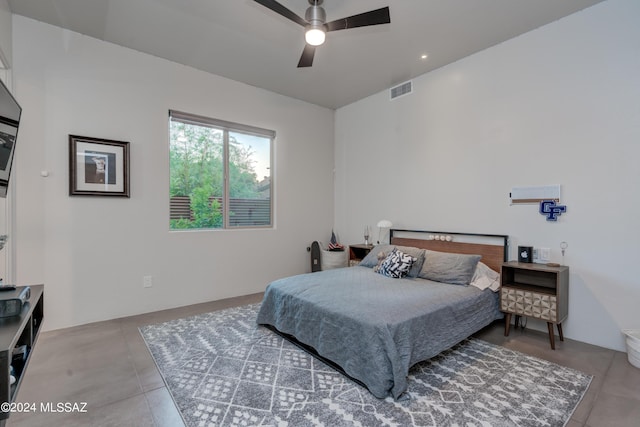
x=373 y=326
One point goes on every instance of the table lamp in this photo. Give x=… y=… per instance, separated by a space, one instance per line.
x=384 y=224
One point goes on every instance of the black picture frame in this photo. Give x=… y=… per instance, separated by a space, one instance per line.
x=98 y=167
x=525 y=254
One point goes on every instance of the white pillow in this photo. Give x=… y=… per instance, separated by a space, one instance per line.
x=484 y=278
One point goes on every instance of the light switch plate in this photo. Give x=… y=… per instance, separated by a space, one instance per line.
x=545 y=254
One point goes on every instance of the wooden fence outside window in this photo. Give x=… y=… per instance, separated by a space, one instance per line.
x=243 y=212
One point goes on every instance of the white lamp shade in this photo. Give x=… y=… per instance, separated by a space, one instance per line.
x=314 y=36
x=385 y=223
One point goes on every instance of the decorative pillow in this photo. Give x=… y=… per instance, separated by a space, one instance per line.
x=381 y=257
x=371 y=260
x=456 y=269
x=484 y=277
x=396 y=265
x=418 y=255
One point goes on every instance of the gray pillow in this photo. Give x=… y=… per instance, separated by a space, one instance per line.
x=371 y=260
x=456 y=269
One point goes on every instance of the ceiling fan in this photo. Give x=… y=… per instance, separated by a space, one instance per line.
x=316 y=27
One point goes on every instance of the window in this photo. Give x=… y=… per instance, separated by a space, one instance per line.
x=221 y=173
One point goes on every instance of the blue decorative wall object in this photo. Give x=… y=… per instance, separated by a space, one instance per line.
x=551 y=210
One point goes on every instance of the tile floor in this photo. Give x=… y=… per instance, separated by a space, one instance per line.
x=107 y=365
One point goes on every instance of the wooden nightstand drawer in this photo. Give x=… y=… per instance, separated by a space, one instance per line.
x=535 y=290
x=530 y=304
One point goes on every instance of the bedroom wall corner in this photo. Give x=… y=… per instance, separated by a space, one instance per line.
x=557 y=105
x=92 y=252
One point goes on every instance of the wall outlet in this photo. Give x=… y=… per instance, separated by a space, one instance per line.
x=147 y=282
x=536 y=255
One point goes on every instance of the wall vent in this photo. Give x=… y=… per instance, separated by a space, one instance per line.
x=401 y=90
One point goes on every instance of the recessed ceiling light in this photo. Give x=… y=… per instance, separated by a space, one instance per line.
x=424 y=56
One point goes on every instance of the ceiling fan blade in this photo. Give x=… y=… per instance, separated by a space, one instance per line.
x=374 y=17
x=280 y=9
x=306 y=60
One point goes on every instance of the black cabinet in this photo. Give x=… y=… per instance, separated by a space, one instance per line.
x=18 y=336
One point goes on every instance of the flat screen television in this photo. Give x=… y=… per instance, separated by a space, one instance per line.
x=10 y=113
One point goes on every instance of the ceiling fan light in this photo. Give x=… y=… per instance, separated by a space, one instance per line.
x=314 y=36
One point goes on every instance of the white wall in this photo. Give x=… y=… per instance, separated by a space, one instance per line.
x=558 y=105
x=6 y=47
x=92 y=253
x=5 y=76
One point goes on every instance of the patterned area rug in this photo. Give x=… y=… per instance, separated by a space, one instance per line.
x=224 y=370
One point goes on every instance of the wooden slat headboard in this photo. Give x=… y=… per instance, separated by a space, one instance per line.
x=493 y=254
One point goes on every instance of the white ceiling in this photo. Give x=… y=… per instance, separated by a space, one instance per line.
x=247 y=42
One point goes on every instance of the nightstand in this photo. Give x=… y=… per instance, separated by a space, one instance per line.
x=535 y=290
x=357 y=253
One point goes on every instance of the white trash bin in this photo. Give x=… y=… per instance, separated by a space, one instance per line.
x=633 y=346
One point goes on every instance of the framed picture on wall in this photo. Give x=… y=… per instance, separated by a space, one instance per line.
x=98 y=167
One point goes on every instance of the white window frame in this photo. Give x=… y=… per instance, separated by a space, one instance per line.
x=226 y=127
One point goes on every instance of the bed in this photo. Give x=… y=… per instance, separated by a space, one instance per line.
x=373 y=327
